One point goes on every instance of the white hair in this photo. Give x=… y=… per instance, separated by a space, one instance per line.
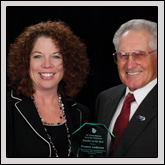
x=137 y=24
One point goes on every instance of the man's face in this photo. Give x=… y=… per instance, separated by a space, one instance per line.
x=132 y=74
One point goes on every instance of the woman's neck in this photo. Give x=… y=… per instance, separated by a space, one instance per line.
x=46 y=97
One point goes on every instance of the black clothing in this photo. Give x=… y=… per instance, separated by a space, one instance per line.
x=140 y=138
x=26 y=137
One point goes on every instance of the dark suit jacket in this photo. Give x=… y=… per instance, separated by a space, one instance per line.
x=25 y=133
x=140 y=138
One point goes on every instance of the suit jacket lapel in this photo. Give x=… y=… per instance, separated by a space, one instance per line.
x=68 y=117
x=28 y=111
x=107 y=117
x=112 y=105
x=135 y=126
x=72 y=115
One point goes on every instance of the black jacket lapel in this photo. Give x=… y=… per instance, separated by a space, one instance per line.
x=109 y=108
x=30 y=115
x=72 y=115
x=135 y=126
x=28 y=111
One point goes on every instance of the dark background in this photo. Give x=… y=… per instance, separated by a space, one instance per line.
x=95 y=25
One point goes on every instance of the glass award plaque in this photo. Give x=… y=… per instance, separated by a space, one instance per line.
x=91 y=140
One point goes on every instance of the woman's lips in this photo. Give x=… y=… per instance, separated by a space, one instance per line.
x=46 y=76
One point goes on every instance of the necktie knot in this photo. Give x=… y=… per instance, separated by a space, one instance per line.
x=129 y=98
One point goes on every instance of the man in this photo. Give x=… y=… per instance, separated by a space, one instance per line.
x=136 y=129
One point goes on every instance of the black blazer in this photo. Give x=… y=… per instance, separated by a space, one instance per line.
x=140 y=138
x=25 y=134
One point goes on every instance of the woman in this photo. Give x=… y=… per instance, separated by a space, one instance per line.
x=47 y=67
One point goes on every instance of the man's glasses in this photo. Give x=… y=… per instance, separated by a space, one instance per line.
x=122 y=57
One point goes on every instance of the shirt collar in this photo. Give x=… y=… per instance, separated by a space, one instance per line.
x=141 y=93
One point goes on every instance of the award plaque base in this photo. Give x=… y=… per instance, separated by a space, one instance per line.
x=90 y=140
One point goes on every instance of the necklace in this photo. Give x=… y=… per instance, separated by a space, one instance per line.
x=62 y=112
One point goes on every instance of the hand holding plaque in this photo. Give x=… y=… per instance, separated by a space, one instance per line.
x=91 y=140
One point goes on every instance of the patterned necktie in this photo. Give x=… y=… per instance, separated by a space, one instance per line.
x=121 y=122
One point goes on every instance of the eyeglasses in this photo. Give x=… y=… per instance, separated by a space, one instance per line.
x=122 y=57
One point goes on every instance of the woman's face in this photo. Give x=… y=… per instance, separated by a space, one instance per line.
x=46 y=65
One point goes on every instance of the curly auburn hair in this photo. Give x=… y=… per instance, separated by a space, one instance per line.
x=73 y=50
